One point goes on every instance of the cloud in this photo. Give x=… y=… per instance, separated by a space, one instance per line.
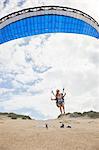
x=5 y=3
x=41 y=69
x=71 y=67
x=20 y=3
x=94 y=58
x=24 y=102
x=31 y=112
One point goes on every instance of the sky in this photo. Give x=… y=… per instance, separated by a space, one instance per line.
x=31 y=67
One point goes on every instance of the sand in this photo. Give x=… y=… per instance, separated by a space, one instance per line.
x=32 y=134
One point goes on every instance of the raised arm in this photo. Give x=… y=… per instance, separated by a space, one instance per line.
x=53 y=93
x=64 y=95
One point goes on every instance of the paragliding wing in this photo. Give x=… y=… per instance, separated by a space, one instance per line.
x=46 y=19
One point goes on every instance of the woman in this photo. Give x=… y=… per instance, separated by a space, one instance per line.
x=59 y=97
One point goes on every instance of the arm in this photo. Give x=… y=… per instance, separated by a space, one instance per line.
x=53 y=93
x=64 y=95
x=53 y=99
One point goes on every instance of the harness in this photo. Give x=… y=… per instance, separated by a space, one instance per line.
x=59 y=101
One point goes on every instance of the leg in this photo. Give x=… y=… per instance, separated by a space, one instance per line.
x=63 y=108
x=60 y=109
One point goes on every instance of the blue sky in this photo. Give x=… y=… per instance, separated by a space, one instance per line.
x=31 y=67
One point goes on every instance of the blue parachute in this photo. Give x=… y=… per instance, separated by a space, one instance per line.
x=46 y=19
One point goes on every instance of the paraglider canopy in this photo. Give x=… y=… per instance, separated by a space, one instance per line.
x=46 y=19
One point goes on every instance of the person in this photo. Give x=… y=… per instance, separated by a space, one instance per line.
x=62 y=126
x=46 y=125
x=59 y=98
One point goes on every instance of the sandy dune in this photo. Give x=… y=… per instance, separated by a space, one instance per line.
x=32 y=135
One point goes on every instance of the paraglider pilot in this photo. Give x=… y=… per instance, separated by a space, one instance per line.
x=59 y=98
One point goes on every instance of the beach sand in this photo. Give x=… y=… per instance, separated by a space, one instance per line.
x=32 y=135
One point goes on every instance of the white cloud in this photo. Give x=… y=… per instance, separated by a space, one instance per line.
x=4 y=90
x=43 y=106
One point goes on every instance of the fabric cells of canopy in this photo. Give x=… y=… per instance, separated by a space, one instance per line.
x=46 y=19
